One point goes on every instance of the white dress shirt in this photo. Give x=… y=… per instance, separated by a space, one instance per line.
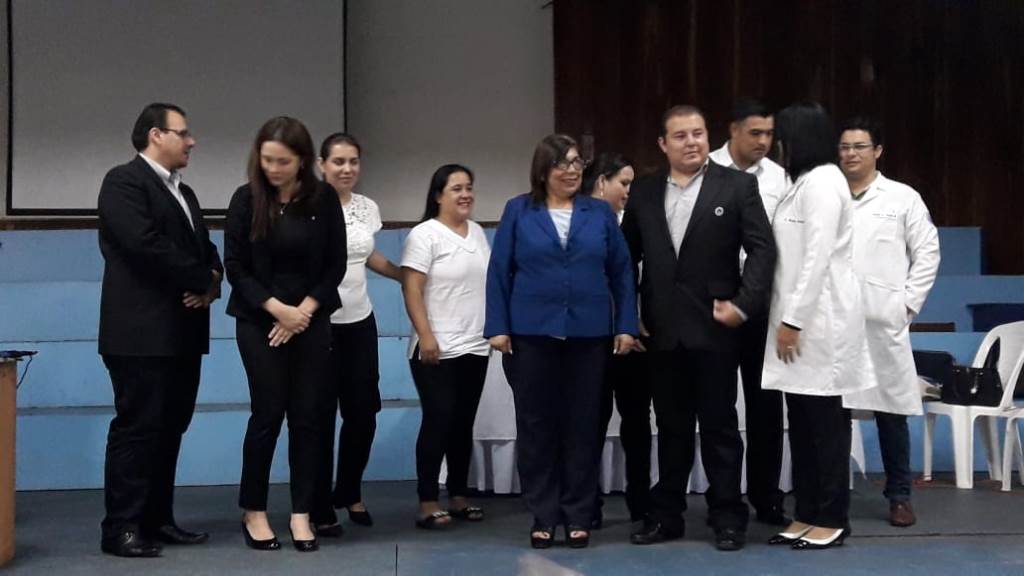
x=772 y=181
x=171 y=180
x=679 y=203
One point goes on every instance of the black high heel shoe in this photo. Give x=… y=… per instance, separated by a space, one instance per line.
x=304 y=545
x=805 y=543
x=577 y=541
x=268 y=544
x=361 y=517
x=542 y=542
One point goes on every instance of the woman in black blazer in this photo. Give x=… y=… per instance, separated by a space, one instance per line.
x=284 y=252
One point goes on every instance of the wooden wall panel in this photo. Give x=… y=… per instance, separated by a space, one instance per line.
x=945 y=76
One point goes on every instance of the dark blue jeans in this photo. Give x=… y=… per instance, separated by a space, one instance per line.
x=894 y=441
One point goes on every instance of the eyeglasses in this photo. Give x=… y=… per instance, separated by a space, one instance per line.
x=564 y=164
x=858 y=147
x=183 y=134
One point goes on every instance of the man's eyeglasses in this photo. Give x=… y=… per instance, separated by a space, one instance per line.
x=858 y=147
x=577 y=163
x=183 y=134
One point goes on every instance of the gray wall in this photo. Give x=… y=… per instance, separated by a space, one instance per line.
x=463 y=81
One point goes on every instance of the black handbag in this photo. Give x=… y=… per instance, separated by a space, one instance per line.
x=976 y=386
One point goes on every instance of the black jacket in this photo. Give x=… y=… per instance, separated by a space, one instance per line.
x=250 y=264
x=677 y=294
x=151 y=258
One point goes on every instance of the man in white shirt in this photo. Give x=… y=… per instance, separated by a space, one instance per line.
x=750 y=139
x=161 y=272
x=896 y=257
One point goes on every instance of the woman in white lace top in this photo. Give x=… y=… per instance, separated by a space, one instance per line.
x=353 y=344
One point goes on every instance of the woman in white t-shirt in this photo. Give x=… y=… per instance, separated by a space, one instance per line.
x=354 y=363
x=445 y=270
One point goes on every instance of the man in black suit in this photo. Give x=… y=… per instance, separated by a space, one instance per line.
x=160 y=275
x=687 y=225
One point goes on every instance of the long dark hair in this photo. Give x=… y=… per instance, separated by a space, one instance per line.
x=608 y=164
x=807 y=138
x=266 y=206
x=437 y=183
x=548 y=152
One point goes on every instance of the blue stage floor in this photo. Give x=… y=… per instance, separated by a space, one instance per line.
x=961 y=532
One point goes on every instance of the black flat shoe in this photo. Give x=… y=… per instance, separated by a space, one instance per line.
x=268 y=544
x=130 y=544
x=577 y=541
x=653 y=532
x=330 y=530
x=542 y=542
x=361 y=517
x=304 y=545
x=730 y=539
x=172 y=534
x=836 y=540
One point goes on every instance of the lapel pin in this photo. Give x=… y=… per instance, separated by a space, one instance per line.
x=719 y=211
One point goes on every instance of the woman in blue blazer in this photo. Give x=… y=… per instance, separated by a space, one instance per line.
x=559 y=292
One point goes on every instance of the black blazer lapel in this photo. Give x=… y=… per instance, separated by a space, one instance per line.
x=710 y=189
x=160 y=191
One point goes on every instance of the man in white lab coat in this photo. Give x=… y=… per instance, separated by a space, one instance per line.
x=750 y=139
x=896 y=257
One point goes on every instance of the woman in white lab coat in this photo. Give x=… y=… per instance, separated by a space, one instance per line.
x=816 y=350
x=896 y=258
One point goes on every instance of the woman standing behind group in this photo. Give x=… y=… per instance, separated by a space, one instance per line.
x=445 y=265
x=609 y=178
x=354 y=360
x=559 y=286
x=816 y=347
x=284 y=253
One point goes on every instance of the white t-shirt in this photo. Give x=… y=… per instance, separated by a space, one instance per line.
x=362 y=221
x=455 y=293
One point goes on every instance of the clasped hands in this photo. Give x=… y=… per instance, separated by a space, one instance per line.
x=193 y=300
x=290 y=320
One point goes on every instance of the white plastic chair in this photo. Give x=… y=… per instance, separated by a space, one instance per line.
x=962 y=418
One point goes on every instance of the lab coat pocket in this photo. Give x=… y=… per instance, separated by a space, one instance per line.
x=883 y=303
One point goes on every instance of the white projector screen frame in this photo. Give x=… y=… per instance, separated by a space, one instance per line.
x=80 y=73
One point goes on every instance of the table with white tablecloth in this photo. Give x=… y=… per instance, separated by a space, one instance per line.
x=494 y=446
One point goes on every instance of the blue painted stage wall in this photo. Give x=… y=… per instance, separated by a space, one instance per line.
x=49 y=299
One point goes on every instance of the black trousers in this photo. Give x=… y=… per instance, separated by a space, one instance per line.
x=355 y=376
x=764 y=420
x=449 y=396
x=628 y=381
x=556 y=385
x=154 y=398
x=691 y=386
x=894 y=441
x=819 y=442
x=289 y=380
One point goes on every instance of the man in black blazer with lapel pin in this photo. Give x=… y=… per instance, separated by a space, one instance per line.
x=160 y=275
x=687 y=225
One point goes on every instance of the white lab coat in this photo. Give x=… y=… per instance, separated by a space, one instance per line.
x=896 y=258
x=815 y=290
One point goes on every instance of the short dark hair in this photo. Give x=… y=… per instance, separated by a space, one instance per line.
x=866 y=123
x=549 y=151
x=152 y=116
x=437 y=183
x=339 y=138
x=266 y=206
x=608 y=164
x=678 y=110
x=808 y=139
x=747 y=107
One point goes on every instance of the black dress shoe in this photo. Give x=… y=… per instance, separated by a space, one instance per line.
x=172 y=534
x=773 y=515
x=330 y=530
x=361 y=517
x=654 y=532
x=268 y=544
x=304 y=545
x=730 y=539
x=130 y=544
